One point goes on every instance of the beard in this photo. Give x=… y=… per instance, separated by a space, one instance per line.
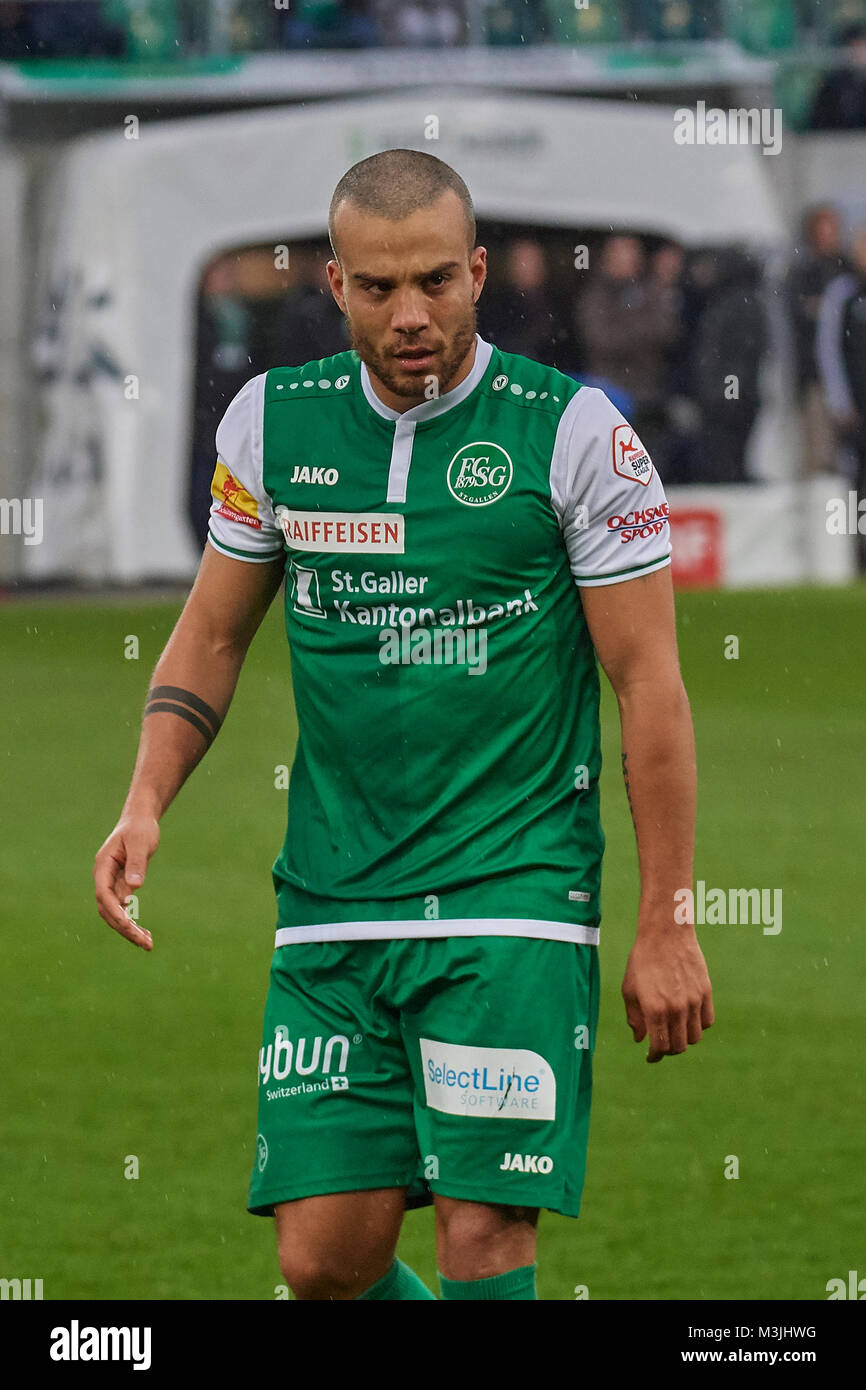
x=411 y=384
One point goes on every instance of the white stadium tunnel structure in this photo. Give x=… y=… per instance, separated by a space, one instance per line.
x=134 y=221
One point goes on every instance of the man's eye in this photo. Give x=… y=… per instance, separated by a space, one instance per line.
x=437 y=280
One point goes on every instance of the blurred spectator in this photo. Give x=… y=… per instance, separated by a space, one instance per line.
x=675 y=421
x=840 y=102
x=671 y=19
x=728 y=349
x=526 y=315
x=628 y=322
x=229 y=351
x=820 y=260
x=426 y=23
x=518 y=21
x=328 y=24
x=666 y=273
x=841 y=357
x=308 y=322
x=699 y=283
x=59 y=29
x=15 y=33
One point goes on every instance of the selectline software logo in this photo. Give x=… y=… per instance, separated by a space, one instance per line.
x=489 y=1082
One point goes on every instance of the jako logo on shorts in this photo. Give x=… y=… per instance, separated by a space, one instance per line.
x=496 y=1082
x=282 y=1056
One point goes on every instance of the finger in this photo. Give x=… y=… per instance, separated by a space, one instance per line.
x=677 y=1032
x=135 y=932
x=108 y=880
x=112 y=911
x=107 y=866
x=136 y=867
x=659 y=1041
x=694 y=1025
x=708 y=1016
x=138 y=851
x=635 y=1020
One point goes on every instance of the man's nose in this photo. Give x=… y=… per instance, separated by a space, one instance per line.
x=410 y=313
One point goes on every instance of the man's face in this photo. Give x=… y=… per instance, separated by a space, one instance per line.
x=408 y=291
x=622 y=257
x=826 y=234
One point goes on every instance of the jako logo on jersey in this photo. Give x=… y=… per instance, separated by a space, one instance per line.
x=494 y=1082
x=479 y=473
x=350 y=533
x=314 y=475
x=630 y=458
x=526 y=1163
x=282 y=1054
x=639 y=525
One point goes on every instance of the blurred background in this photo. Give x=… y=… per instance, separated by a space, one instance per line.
x=165 y=168
x=165 y=173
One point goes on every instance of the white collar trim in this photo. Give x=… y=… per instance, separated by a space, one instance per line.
x=439 y=404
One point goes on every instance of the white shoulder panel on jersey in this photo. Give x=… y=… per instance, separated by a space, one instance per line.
x=607 y=494
x=242 y=523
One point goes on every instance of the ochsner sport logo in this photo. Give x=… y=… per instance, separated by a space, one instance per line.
x=639 y=525
x=496 y=1082
x=479 y=473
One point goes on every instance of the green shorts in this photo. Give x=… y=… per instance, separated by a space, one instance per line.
x=458 y=1065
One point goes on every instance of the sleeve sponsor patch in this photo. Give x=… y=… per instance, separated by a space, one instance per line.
x=235 y=503
x=640 y=525
x=630 y=458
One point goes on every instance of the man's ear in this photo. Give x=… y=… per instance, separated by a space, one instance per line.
x=335 y=280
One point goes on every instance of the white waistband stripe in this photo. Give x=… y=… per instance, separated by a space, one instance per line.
x=455 y=926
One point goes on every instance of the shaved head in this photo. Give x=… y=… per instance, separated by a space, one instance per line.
x=396 y=183
x=406 y=273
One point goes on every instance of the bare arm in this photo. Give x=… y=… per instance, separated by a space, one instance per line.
x=190 y=692
x=666 y=988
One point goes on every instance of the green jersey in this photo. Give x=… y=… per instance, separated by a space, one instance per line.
x=446 y=686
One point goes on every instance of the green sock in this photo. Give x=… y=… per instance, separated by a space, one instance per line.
x=400 y=1283
x=516 y=1283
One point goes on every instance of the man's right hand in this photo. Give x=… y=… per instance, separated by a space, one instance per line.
x=119 y=870
x=200 y=662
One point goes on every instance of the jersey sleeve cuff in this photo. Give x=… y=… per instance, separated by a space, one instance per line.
x=252 y=557
x=591 y=581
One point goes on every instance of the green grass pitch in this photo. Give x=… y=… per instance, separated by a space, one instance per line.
x=108 y=1052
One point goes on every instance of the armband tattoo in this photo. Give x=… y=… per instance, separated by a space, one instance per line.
x=170 y=699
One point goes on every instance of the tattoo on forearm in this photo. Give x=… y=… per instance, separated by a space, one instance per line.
x=627 y=787
x=170 y=699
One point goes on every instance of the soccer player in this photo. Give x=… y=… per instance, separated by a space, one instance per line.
x=461 y=530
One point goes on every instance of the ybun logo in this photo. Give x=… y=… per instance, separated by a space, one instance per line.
x=630 y=458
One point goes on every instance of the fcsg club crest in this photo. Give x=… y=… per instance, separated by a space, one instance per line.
x=479 y=473
x=630 y=458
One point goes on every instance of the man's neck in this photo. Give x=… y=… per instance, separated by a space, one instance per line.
x=404 y=403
